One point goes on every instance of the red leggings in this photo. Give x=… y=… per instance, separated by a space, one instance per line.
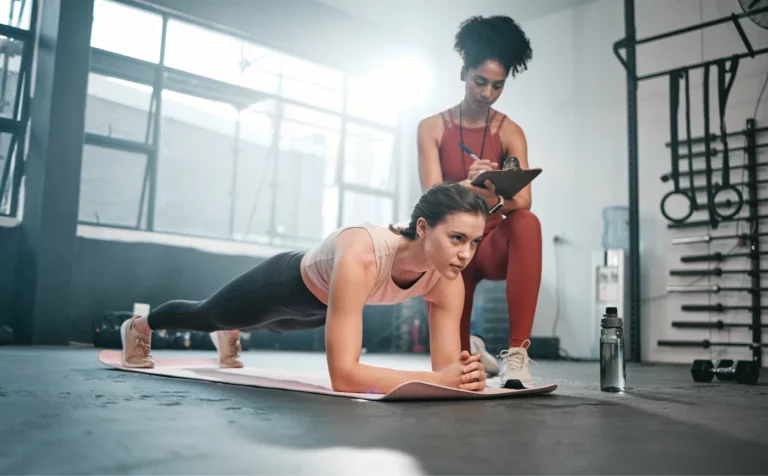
x=511 y=251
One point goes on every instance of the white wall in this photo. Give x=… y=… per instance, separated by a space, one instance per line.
x=572 y=105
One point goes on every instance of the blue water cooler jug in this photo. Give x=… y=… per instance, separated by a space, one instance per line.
x=616 y=228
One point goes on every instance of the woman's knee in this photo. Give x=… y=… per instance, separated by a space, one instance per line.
x=523 y=220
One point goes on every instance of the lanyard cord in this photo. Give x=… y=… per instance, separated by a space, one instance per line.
x=461 y=135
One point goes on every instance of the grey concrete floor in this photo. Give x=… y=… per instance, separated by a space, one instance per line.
x=62 y=412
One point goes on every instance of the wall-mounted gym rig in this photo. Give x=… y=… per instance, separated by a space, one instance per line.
x=724 y=199
x=723 y=202
x=719 y=211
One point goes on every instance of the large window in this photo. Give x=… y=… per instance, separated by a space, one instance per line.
x=222 y=137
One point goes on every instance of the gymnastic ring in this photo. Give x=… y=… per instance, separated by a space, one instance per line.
x=664 y=211
x=739 y=201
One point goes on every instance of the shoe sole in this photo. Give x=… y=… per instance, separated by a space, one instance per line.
x=516 y=384
x=123 y=331
x=504 y=381
x=486 y=358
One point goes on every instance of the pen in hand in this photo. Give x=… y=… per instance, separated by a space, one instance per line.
x=466 y=149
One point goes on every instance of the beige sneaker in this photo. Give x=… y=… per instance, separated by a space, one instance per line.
x=136 y=347
x=477 y=346
x=515 y=365
x=229 y=349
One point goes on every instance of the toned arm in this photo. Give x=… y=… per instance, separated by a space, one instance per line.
x=445 y=302
x=354 y=276
x=516 y=145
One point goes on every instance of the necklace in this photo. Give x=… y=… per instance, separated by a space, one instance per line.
x=461 y=135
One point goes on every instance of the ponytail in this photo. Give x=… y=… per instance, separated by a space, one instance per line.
x=405 y=231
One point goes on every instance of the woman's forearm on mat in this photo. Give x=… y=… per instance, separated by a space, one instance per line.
x=361 y=378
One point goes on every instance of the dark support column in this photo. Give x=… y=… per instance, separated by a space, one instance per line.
x=634 y=201
x=752 y=187
x=52 y=186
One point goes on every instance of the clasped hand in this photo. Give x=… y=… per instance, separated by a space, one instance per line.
x=467 y=374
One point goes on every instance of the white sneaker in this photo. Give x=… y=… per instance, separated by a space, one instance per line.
x=515 y=365
x=136 y=353
x=229 y=349
x=477 y=346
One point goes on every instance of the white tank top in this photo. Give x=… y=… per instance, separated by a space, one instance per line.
x=319 y=266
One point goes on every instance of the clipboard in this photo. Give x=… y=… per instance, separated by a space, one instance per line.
x=507 y=182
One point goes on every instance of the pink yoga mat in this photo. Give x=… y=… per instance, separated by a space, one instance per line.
x=207 y=370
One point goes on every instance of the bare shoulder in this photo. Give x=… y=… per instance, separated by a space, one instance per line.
x=431 y=126
x=356 y=245
x=514 y=141
x=511 y=129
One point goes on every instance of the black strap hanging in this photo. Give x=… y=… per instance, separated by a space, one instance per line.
x=674 y=107
x=713 y=222
x=723 y=91
x=694 y=202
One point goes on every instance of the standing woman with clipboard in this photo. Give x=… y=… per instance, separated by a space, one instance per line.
x=492 y=49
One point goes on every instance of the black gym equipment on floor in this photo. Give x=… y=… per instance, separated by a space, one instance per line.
x=725 y=200
x=741 y=371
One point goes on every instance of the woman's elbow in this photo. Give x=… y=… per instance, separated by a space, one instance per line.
x=342 y=380
x=353 y=380
x=339 y=384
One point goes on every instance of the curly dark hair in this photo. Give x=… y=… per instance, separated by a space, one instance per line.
x=497 y=38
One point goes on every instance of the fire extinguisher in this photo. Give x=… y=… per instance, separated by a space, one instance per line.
x=416 y=337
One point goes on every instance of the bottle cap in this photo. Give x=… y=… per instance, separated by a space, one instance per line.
x=611 y=318
x=510 y=163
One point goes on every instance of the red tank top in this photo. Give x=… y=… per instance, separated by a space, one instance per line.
x=455 y=163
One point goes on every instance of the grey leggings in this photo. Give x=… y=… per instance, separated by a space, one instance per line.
x=270 y=296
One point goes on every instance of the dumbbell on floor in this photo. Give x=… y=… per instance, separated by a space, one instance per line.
x=743 y=371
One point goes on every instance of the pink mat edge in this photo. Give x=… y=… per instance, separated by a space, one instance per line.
x=112 y=359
